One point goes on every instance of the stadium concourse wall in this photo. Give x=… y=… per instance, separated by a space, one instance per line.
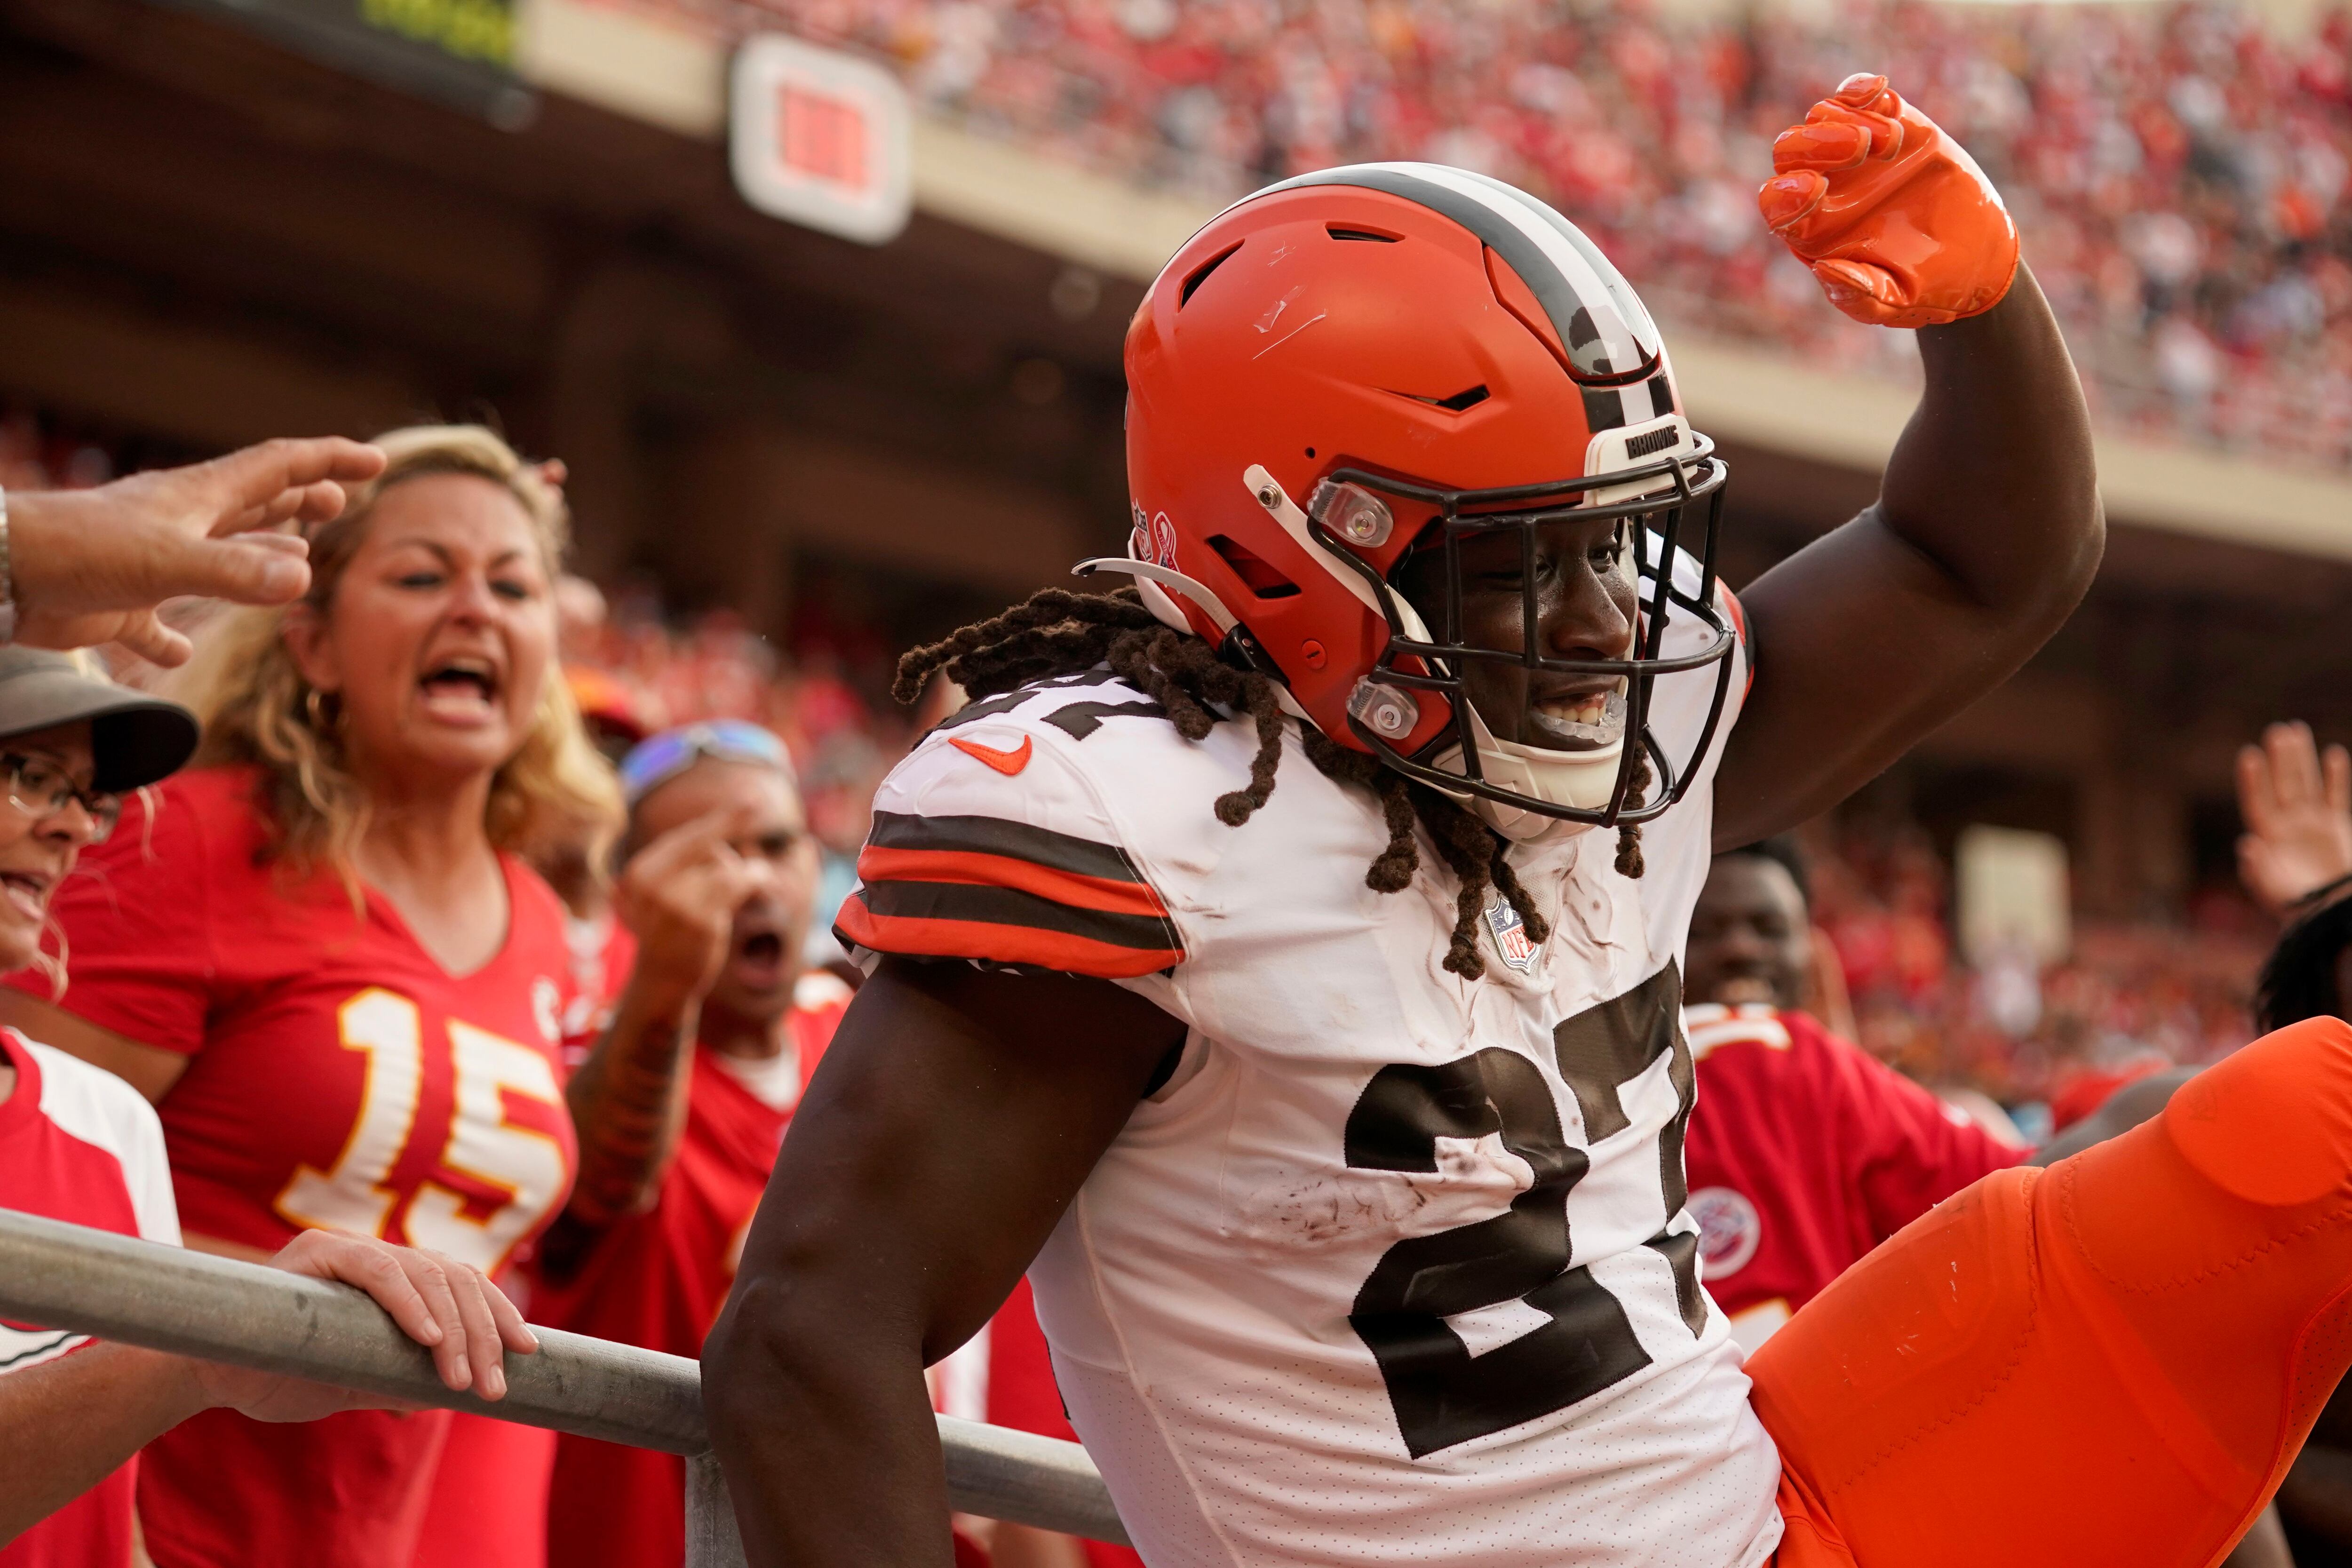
x=212 y=239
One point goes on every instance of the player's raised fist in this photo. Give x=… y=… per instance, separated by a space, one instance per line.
x=1892 y=215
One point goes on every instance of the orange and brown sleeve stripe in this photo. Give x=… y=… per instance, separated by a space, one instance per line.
x=1007 y=892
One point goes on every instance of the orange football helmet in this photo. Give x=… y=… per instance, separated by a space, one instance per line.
x=1364 y=361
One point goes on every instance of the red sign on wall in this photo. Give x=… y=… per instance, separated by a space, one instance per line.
x=819 y=137
x=822 y=137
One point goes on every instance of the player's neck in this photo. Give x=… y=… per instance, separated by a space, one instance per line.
x=730 y=1034
x=7 y=1082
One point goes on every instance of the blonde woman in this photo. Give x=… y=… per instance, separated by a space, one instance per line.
x=321 y=955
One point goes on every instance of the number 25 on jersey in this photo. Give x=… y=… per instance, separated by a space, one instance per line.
x=478 y=1141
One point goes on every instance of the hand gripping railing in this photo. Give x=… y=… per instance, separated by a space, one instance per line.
x=62 y=1275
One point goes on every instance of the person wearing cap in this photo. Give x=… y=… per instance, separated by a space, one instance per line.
x=714 y=1036
x=323 y=957
x=77 y=1143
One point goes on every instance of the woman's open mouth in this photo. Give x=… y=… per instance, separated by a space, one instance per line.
x=461 y=691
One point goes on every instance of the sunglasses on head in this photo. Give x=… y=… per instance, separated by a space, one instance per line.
x=655 y=762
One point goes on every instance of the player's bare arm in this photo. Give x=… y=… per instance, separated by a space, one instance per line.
x=1988 y=526
x=955 y=1115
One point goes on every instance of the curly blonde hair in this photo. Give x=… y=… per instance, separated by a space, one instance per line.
x=256 y=709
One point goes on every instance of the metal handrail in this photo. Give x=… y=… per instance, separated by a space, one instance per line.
x=59 y=1276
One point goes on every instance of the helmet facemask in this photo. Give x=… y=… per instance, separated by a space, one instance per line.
x=1525 y=791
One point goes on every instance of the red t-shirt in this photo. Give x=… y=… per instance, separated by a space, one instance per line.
x=79 y=1144
x=1804 y=1152
x=337 y=1076
x=660 y=1278
x=489 y=1502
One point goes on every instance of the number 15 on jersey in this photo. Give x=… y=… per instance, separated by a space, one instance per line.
x=477 y=1141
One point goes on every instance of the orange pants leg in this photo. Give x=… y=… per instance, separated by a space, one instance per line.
x=2109 y=1361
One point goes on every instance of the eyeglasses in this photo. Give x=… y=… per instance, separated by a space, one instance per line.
x=656 y=762
x=41 y=789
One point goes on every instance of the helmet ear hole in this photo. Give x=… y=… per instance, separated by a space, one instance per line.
x=1200 y=275
x=1259 y=576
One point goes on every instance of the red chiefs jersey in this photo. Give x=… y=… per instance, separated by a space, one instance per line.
x=489 y=1490
x=79 y=1144
x=337 y=1076
x=1803 y=1153
x=658 y=1279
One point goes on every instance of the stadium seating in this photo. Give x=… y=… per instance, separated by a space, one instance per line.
x=2181 y=177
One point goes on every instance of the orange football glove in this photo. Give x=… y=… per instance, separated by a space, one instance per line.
x=1892 y=215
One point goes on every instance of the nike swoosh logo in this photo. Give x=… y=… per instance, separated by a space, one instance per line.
x=1006 y=763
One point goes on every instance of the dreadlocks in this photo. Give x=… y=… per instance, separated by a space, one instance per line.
x=1058 y=632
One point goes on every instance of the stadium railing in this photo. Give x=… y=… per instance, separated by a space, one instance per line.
x=58 y=1276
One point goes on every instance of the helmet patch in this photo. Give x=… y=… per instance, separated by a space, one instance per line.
x=1154 y=542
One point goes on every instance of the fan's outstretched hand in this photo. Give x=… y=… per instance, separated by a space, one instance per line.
x=2296 y=802
x=91 y=566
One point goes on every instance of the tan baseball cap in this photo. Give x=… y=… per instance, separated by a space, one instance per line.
x=134 y=739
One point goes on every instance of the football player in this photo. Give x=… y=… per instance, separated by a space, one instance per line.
x=1804 y=1151
x=1360 y=1191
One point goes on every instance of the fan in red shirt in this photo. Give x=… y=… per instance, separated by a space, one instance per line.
x=78 y=1143
x=726 y=1030
x=323 y=961
x=1804 y=1151
x=1807 y=1152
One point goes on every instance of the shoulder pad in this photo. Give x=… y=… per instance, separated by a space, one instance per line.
x=995 y=840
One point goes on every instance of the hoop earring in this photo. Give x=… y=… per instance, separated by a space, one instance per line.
x=314 y=709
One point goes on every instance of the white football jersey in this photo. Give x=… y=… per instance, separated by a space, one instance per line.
x=1394 y=1267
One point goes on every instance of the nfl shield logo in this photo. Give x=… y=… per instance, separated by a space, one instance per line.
x=1510 y=934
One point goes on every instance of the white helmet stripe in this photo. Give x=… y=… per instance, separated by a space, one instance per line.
x=1635 y=314
x=1619 y=343
x=1572 y=282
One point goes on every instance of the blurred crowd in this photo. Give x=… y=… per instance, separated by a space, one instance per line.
x=2180 y=175
x=2128 y=998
